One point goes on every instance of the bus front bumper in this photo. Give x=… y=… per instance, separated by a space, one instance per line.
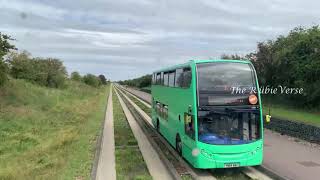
x=207 y=159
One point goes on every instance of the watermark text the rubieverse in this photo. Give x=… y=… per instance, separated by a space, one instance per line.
x=267 y=90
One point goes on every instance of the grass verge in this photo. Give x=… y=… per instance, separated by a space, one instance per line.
x=292 y=114
x=49 y=133
x=129 y=160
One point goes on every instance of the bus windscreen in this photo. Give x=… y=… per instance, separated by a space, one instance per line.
x=224 y=116
x=222 y=83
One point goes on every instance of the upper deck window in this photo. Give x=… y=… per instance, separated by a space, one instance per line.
x=153 y=78
x=171 y=78
x=183 y=77
x=161 y=83
x=166 y=79
x=216 y=82
x=158 y=78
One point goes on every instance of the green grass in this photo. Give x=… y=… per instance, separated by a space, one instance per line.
x=129 y=160
x=49 y=133
x=123 y=135
x=293 y=114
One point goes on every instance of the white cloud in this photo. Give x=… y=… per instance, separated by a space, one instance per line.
x=127 y=38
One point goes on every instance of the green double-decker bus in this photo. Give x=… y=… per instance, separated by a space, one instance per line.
x=210 y=111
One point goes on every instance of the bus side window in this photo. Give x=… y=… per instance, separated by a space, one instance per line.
x=179 y=78
x=171 y=78
x=162 y=79
x=183 y=77
x=165 y=112
x=158 y=80
x=165 y=79
x=158 y=108
x=186 y=77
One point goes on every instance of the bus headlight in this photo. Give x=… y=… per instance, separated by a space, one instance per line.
x=195 y=152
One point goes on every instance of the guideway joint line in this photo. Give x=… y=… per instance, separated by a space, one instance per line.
x=155 y=166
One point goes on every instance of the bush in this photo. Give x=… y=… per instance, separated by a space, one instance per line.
x=75 y=76
x=46 y=72
x=91 y=80
x=103 y=79
x=143 y=81
x=292 y=61
x=3 y=73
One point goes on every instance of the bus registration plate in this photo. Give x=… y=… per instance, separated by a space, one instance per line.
x=231 y=165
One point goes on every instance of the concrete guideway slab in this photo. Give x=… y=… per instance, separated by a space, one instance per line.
x=106 y=165
x=145 y=115
x=156 y=167
x=143 y=95
x=134 y=96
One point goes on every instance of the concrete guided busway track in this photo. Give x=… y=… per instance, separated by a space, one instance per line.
x=251 y=173
x=284 y=157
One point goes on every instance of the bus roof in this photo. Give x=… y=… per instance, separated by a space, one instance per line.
x=201 y=61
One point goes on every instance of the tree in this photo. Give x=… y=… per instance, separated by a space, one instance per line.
x=103 y=79
x=48 y=72
x=232 y=57
x=143 y=81
x=5 y=48
x=76 y=76
x=292 y=61
x=91 y=80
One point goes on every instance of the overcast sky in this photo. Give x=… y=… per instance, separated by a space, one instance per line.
x=128 y=38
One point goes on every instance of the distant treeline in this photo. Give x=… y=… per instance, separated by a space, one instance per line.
x=143 y=81
x=48 y=72
x=292 y=61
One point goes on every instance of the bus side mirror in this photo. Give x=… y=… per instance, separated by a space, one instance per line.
x=268 y=118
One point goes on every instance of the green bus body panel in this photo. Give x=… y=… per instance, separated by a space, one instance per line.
x=199 y=154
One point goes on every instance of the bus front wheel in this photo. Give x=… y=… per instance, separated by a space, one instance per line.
x=179 y=145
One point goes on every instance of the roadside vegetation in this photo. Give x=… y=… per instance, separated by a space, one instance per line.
x=291 y=61
x=140 y=82
x=49 y=122
x=292 y=113
x=129 y=160
x=49 y=133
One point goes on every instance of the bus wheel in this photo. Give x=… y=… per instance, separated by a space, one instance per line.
x=158 y=125
x=179 y=145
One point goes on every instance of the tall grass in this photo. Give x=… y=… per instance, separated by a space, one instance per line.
x=49 y=133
